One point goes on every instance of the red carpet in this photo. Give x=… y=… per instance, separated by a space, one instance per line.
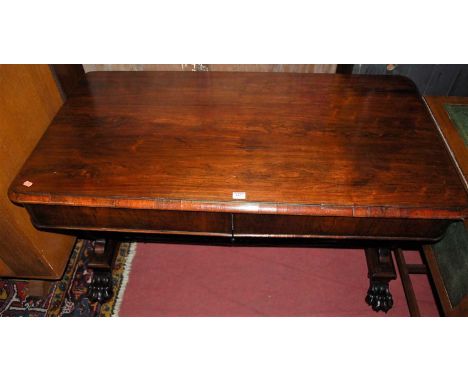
x=189 y=280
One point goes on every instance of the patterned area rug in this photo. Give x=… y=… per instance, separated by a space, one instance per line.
x=67 y=297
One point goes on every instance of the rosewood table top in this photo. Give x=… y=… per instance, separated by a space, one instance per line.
x=262 y=143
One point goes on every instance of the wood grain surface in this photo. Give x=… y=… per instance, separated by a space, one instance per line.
x=297 y=144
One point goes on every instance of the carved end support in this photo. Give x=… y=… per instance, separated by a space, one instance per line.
x=379 y=296
x=380 y=272
x=101 y=261
x=101 y=287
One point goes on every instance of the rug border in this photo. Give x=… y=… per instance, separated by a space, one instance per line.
x=125 y=277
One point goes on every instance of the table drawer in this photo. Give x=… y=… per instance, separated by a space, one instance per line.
x=131 y=220
x=336 y=227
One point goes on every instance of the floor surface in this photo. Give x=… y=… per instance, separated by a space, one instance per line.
x=191 y=280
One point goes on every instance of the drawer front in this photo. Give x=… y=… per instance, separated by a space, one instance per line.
x=250 y=225
x=131 y=220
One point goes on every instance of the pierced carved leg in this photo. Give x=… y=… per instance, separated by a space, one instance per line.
x=380 y=272
x=101 y=261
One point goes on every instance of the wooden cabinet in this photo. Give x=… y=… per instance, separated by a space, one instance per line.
x=448 y=259
x=29 y=99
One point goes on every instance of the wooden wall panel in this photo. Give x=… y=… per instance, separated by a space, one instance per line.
x=29 y=99
x=298 y=68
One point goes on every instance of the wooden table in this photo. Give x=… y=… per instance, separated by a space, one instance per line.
x=240 y=158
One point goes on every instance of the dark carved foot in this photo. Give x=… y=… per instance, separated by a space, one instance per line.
x=100 y=289
x=101 y=261
x=379 y=296
x=380 y=272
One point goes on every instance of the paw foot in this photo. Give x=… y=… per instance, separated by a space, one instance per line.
x=379 y=296
x=100 y=289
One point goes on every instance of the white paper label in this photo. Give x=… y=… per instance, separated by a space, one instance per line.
x=238 y=195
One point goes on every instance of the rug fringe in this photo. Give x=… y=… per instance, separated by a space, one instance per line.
x=125 y=277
